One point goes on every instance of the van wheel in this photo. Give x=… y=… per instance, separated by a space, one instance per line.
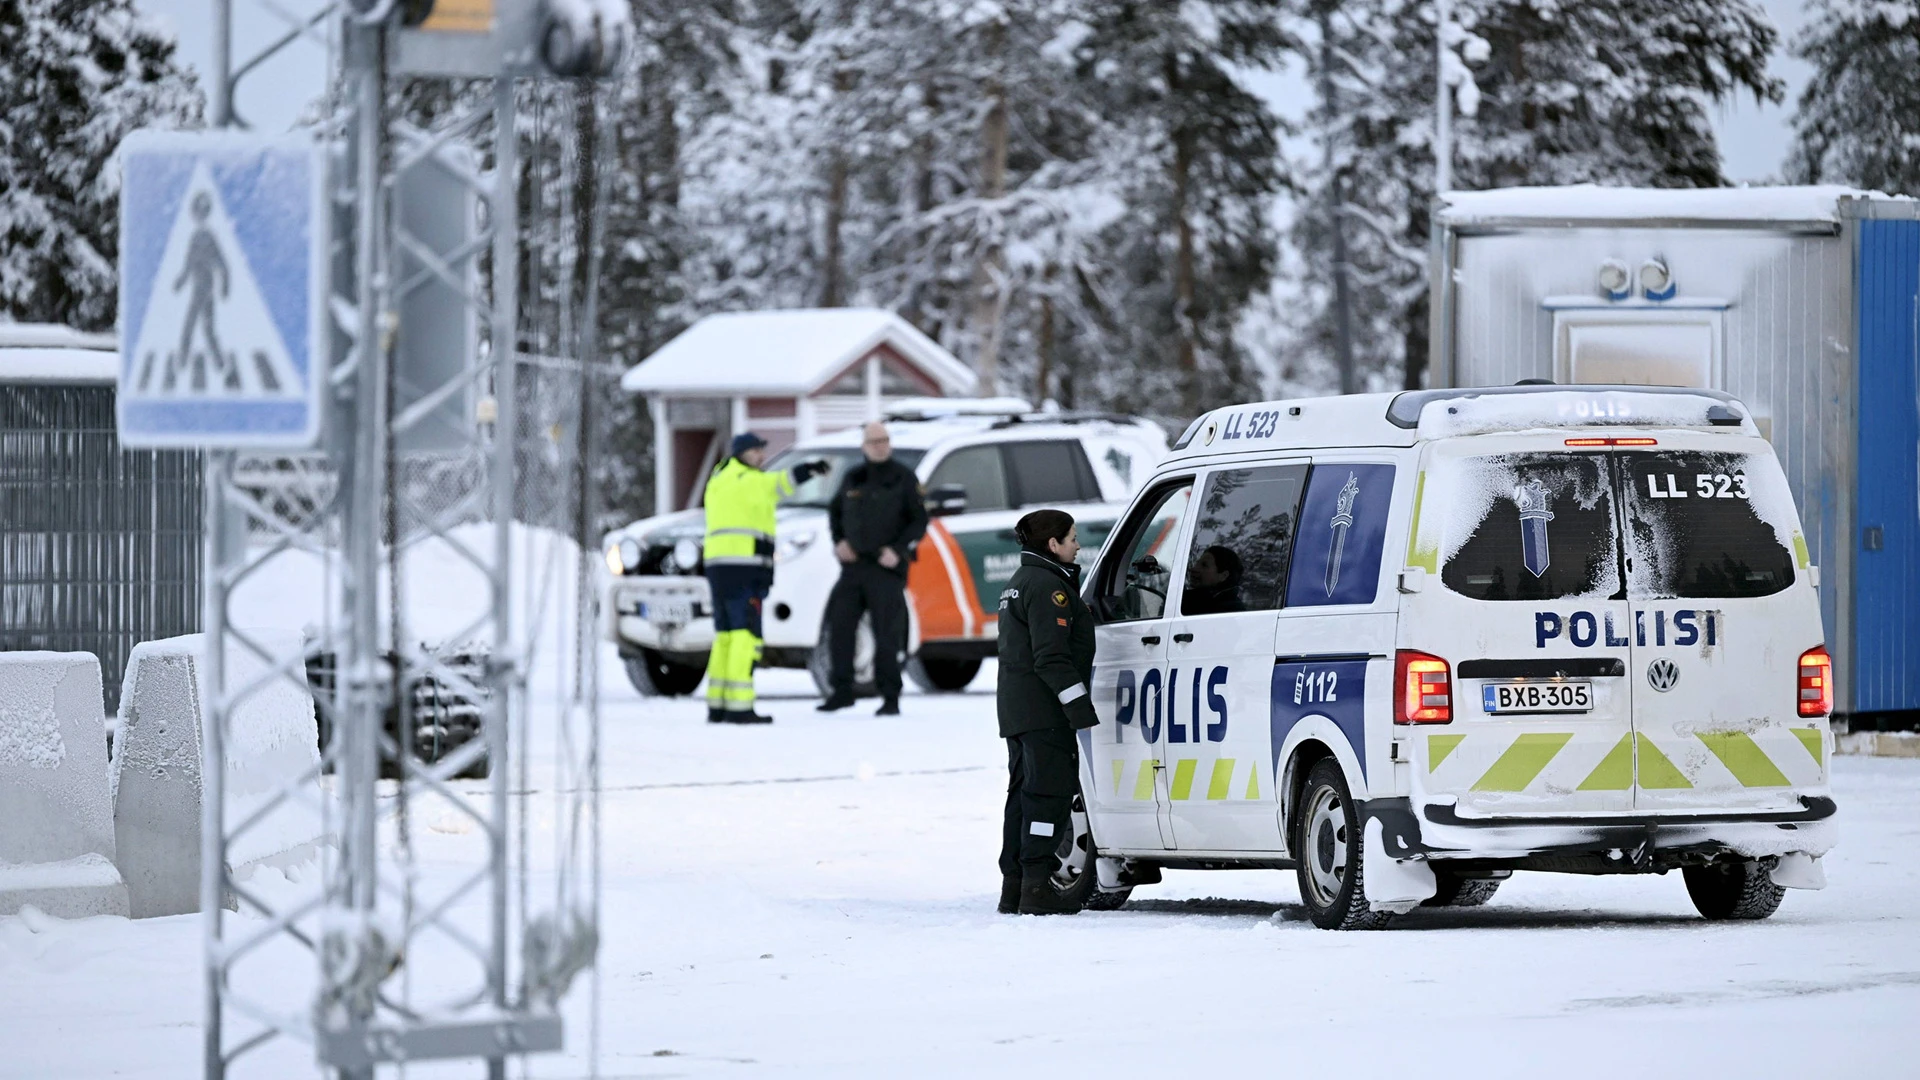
x=1452 y=890
x=1327 y=840
x=1736 y=889
x=820 y=661
x=937 y=676
x=1076 y=876
x=654 y=675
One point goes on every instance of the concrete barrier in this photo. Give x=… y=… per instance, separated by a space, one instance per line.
x=157 y=788
x=56 y=811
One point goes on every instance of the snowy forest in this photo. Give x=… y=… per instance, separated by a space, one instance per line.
x=1082 y=198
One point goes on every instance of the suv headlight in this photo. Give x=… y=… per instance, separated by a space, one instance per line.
x=686 y=554
x=793 y=545
x=624 y=556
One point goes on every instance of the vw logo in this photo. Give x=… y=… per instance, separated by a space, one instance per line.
x=1662 y=675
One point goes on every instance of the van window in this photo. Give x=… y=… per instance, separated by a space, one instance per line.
x=978 y=469
x=1529 y=527
x=1134 y=580
x=1696 y=529
x=1052 y=472
x=1242 y=540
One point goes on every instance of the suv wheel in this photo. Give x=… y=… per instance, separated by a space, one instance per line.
x=654 y=675
x=937 y=676
x=820 y=662
x=1327 y=845
x=1734 y=889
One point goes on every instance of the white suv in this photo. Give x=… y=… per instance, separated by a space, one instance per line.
x=981 y=471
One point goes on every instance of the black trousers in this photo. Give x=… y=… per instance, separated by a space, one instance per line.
x=1043 y=772
x=882 y=594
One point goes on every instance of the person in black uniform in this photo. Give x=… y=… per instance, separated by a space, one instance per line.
x=1046 y=661
x=876 y=518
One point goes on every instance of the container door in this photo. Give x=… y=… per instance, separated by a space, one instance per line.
x=1531 y=614
x=1220 y=662
x=1884 y=607
x=1123 y=760
x=1720 y=618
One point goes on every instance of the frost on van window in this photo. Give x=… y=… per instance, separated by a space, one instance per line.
x=1707 y=525
x=1529 y=527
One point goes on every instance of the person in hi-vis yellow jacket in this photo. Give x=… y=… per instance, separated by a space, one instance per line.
x=738 y=556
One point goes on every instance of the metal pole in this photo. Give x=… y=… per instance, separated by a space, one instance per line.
x=1442 y=100
x=506 y=283
x=222 y=62
x=1342 y=299
x=213 y=768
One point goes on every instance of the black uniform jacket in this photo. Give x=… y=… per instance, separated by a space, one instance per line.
x=879 y=506
x=1046 y=649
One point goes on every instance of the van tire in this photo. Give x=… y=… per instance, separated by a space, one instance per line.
x=1328 y=840
x=1735 y=889
x=938 y=676
x=1452 y=890
x=653 y=675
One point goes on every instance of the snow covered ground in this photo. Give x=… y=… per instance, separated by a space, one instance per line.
x=816 y=899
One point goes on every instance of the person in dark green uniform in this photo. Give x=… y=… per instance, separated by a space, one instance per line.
x=1046 y=662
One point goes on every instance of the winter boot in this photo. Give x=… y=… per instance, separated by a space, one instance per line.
x=836 y=701
x=1009 y=894
x=716 y=716
x=1038 y=896
x=747 y=718
x=889 y=707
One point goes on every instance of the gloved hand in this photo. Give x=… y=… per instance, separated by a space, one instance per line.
x=1080 y=713
x=807 y=470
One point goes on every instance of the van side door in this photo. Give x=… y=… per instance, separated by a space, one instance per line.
x=1220 y=659
x=1122 y=760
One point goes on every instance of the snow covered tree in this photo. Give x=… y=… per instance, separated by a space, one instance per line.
x=75 y=78
x=1608 y=91
x=1858 y=120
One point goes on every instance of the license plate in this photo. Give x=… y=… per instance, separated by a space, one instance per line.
x=673 y=612
x=1537 y=697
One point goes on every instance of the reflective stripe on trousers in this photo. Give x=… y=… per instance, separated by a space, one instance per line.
x=730 y=667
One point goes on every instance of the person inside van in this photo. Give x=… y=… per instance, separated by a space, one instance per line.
x=1213 y=585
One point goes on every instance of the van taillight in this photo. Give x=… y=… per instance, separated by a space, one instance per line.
x=1422 y=693
x=1816 y=682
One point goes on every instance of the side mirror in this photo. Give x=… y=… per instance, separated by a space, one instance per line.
x=1147 y=564
x=945 y=499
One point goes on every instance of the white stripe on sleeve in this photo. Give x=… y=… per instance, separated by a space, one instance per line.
x=1073 y=693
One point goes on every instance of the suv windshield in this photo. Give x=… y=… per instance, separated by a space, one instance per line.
x=1531 y=527
x=818 y=491
x=1699 y=525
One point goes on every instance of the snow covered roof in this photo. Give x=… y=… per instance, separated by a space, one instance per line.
x=1591 y=203
x=786 y=352
x=55 y=365
x=52 y=336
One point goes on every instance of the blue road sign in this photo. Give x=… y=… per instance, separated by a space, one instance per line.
x=223 y=278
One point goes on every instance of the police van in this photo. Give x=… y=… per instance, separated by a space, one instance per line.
x=1408 y=644
x=982 y=462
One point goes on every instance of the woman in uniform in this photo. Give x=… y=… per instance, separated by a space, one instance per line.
x=1046 y=661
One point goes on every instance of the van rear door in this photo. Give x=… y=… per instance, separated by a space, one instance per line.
x=1531 y=614
x=1721 y=615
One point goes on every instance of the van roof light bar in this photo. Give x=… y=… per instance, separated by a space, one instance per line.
x=1405 y=408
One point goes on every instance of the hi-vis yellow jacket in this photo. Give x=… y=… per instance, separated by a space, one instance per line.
x=740 y=501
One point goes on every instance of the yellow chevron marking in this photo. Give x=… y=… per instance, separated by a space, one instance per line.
x=1143 y=787
x=1656 y=771
x=1744 y=759
x=1253 y=781
x=1438 y=747
x=1183 y=777
x=1524 y=760
x=1615 y=771
x=1810 y=738
x=1222 y=776
x=1119 y=767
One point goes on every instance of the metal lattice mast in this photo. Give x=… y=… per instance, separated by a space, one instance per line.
x=405 y=967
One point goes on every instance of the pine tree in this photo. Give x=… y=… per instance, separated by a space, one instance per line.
x=75 y=78
x=1858 y=120
x=1611 y=92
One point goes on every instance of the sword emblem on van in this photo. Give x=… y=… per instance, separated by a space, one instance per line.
x=1342 y=521
x=1531 y=499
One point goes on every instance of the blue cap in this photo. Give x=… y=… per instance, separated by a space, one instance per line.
x=746 y=441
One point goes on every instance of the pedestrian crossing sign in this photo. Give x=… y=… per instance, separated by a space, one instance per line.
x=223 y=272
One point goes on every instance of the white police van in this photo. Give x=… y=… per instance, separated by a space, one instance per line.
x=1408 y=644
